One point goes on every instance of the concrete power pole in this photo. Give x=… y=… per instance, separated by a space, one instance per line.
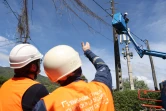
x=129 y=67
x=128 y=55
x=118 y=70
x=152 y=67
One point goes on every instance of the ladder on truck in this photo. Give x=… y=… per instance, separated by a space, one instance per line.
x=150 y=107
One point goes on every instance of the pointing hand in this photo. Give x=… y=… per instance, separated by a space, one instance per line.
x=85 y=46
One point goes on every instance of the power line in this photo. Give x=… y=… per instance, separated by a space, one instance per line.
x=11 y=9
x=102 y=8
x=35 y=44
x=116 y=20
x=84 y=20
x=54 y=5
x=31 y=12
x=89 y=12
x=32 y=4
x=138 y=37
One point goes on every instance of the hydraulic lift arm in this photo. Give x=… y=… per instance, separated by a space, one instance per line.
x=119 y=24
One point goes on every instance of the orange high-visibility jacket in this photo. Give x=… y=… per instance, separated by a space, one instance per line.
x=11 y=93
x=80 y=96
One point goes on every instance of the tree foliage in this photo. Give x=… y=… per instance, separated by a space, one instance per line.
x=84 y=78
x=2 y=80
x=138 y=84
x=6 y=73
x=127 y=100
x=47 y=83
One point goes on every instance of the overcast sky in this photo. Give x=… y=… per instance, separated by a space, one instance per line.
x=50 y=27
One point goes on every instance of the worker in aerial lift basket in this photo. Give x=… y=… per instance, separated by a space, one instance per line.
x=62 y=65
x=21 y=92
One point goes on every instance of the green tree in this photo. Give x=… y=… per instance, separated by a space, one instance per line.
x=127 y=100
x=84 y=78
x=2 y=80
x=138 y=84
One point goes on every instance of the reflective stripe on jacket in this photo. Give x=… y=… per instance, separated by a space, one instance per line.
x=11 y=93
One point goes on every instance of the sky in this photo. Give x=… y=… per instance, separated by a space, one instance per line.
x=50 y=26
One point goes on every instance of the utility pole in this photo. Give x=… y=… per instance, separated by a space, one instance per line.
x=152 y=67
x=127 y=55
x=118 y=70
x=23 y=25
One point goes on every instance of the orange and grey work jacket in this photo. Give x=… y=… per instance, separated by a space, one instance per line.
x=80 y=95
x=20 y=94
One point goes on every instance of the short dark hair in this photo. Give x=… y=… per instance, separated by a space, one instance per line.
x=72 y=77
x=25 y=71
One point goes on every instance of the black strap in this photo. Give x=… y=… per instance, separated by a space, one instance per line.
x=32 y=96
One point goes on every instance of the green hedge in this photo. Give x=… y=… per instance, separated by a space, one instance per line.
x=2 y=80
x=128 y=100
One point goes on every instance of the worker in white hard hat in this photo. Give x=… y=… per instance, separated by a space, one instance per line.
x=62 y=65
x=22 y=92
x=125 y=17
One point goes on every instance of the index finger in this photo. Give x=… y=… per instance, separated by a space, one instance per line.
x=87 y=43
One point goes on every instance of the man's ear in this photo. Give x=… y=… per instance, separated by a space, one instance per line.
x=33 y=67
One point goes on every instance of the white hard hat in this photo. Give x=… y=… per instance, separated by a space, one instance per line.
x=61 y=61
x=125 y=13
x=23 y=54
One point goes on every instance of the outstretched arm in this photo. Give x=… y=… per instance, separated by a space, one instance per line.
x=103 y=72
